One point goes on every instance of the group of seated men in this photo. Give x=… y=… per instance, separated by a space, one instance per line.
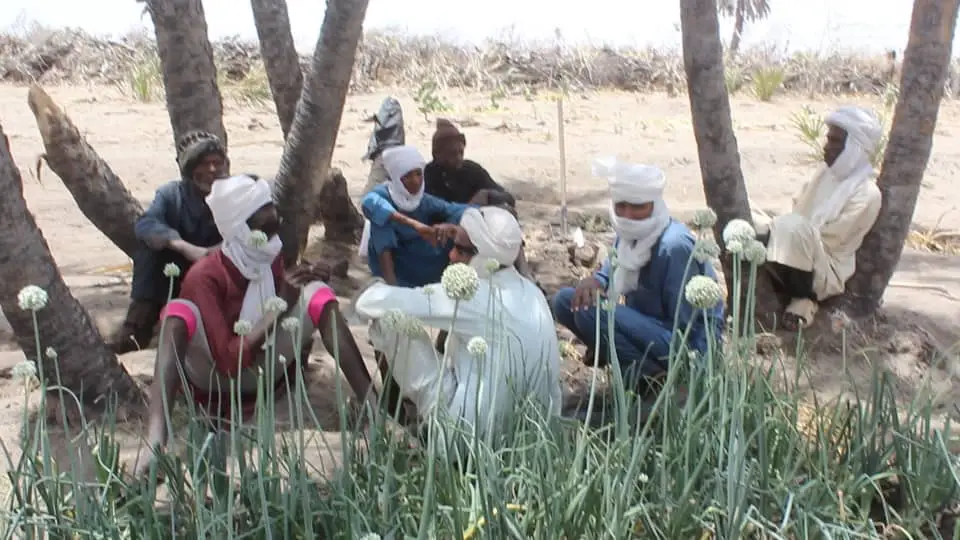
x=222 y=232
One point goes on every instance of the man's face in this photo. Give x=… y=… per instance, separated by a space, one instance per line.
x=210 y=167
x=413 y=181
x=450 y=154
x=265 y=219
x=635 y=212
x=463 y=250
x=836 y=142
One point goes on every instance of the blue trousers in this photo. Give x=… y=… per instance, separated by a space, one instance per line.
x=642 y=343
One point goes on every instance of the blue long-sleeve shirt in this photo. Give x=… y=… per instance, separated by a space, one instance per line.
x=660 y=293
x=415 y=261
x=178 y=211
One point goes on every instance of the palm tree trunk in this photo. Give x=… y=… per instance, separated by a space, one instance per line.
x=926 y=62
x=280 y=58
x=717 y=148
x=87 y=367
x=309 y=149
x=99 y=193
x=738 y=23
x=189 y=74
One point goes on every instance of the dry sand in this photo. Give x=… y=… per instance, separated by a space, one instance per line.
x=518 y=144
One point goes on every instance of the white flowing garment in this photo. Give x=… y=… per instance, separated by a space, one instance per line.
x=508 y=311
x=232 y=202
x=398 y=161
x=634 y=184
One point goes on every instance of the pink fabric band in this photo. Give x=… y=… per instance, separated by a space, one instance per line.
x=183 y=312
x=318 y=301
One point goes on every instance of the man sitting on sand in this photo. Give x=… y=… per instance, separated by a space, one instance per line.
x=811 y=252
x=502 y=348
x=215 y=331
x=177 y=228
x=654 y=263
x=409 y=229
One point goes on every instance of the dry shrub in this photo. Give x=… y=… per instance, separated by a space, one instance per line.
x=393 y=58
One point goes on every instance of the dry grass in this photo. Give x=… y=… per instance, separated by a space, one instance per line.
x=499 y=67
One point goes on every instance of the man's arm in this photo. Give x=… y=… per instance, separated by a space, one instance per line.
x=380 y=211
x=430 y=304
x=152 y=228
x=340 y=343
x=486 y=182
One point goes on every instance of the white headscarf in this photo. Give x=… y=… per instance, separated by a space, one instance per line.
x=634 y=184
x=232 y=201
x=496 y=235
x=399 y=161
x=853 y=166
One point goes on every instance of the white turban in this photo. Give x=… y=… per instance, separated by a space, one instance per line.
x=399 y=161
x=634 y=184
x=232 y=202
x=495 y=233
x=853 y=166
x=861 y=125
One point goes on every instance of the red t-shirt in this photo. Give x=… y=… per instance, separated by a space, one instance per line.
x=217 y=288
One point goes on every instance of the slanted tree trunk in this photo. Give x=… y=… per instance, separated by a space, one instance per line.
x=717 y=149
x=309 y=150
x=280 y=58
x=99 y=193
x=926 y=62
x=189 y=73
x=87 y=367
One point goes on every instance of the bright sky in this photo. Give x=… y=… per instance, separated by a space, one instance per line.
x=812 y=25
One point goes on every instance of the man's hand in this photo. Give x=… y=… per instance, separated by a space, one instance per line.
x=585 y=293
x=191 y=252
x=446 y=232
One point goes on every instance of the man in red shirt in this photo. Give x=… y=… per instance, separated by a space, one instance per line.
x=230 y=301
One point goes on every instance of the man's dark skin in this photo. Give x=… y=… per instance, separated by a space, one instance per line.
x=210 y=168
x=334 y=333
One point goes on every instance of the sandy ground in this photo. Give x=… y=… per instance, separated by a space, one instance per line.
x=517 y=142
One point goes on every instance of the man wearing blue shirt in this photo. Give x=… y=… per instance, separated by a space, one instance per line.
x=653 y=265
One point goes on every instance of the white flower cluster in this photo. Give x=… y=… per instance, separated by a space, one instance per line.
x=704 y=219
x=24 y=371
x=706 y=250
x=738 y=230
x=460 y=281
x=477 y=346
x=50 y=353
x=242 y=327
x=275 y=305
x=741 y=239
x=392 y=320
x=32 y=298
x=171 y=270
x=291 y=324
x=703 y=292
x=491 y=266
x=258 y=239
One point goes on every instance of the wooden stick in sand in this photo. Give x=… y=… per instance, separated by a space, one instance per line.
x=563 y=167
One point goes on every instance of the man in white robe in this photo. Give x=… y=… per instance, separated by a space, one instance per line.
x=811 y=251
x=509 y=313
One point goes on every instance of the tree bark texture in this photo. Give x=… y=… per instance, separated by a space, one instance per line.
x=342 y=222
x=313 y=135
x=280 y=58
x=717 y=148
x=87 y=367
x=189 y=73
x=738 y=24
x=926 y=62
x=99 y=193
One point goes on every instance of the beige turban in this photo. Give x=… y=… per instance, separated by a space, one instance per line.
x=861 y=125
x=495 y=233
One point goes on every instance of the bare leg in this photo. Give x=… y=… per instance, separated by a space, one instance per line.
x=163 y=390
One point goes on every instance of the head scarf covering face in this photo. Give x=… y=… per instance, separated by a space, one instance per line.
x=633 y=184
x=853 y=166
x=864 y=134
x=232 y=202
x=495 y=233
x=193 y=146
x=400 y=161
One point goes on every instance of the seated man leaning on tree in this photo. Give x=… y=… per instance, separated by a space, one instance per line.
x=811 y=252
x=176 y=228
x=215 y=331
x=654 y=263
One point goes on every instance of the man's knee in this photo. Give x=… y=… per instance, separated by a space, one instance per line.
x=180 y=318
x=317 y=296
x=562 y=301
